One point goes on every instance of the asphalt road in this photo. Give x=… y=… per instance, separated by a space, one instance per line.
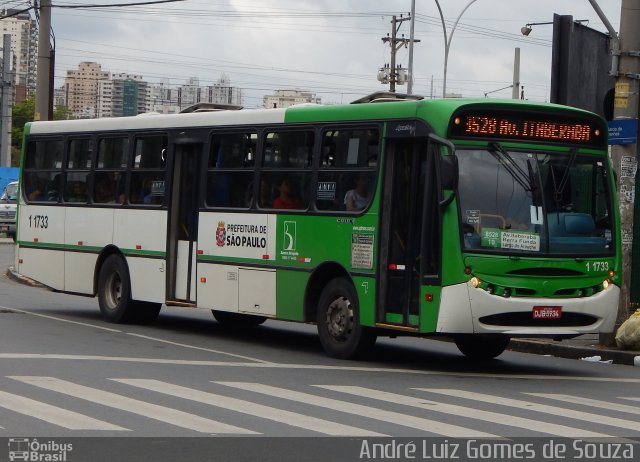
x=65 y=373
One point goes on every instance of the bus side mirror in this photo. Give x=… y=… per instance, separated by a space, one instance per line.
x=446 y=170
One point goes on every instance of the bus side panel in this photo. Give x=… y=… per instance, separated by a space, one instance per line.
x=42 y=229
x=257 y=294
x=148 y=279
x=290 y=290
x=218 y=287
x=140 y=231
x=142 y=236
x=87 y=230
x=39 y=264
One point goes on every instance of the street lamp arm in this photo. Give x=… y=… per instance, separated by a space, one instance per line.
x=447 y=41
x=458 y=20
x=614 y=47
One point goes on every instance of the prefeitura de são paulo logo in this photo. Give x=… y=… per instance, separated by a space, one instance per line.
x=220 y=234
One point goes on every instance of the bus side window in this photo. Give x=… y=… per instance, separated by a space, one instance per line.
x=43 y=164
x=346 y=180
x=286 y=169
x=147 y=179
x=230 y=170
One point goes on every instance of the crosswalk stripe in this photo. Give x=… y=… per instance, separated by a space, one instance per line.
x=246 y=407
x=532 y=406
x=397 y=418
x=461 y=411
x=113 y=400
x=52 y=414
x=589 y=402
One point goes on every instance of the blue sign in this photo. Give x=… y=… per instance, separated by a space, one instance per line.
x=623 y=131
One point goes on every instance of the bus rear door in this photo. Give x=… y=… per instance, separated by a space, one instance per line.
x=182 y=242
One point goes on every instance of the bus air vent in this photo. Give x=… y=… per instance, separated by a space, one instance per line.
x=209 y=107
x=525 y=319
x=385 y=97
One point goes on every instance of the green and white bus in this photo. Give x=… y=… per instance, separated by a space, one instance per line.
x=479 y=220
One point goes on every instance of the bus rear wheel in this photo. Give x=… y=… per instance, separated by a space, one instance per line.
x=482 y=347
x=114 y=295
x=341 y=334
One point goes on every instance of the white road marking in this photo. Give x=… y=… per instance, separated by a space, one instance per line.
x=113 y=400
x=319 y=367
x=294 y=419
x=536 y=407
x=582 y=401
x=52 y=414
x=56 y=318
x=397 y=418
x=468 y=412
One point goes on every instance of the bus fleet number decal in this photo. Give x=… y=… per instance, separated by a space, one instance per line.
x=38 y=221
x=597 y=266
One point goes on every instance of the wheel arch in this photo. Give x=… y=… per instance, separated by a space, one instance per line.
x=104 y=254
x=319 y=279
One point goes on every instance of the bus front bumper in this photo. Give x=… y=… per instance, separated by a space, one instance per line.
x=465 y=310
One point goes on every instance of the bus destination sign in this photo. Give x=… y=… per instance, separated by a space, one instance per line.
x=527 y=126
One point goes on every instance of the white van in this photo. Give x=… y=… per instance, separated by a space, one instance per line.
x=8 y=208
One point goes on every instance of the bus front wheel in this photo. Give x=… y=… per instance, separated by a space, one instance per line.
x=114 y=295
x=341 y=334
x=482 y=347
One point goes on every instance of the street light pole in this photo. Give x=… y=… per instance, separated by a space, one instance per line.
x=44 y=62
x=447 y=41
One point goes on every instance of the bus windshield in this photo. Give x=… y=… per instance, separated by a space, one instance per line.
x=524 y=202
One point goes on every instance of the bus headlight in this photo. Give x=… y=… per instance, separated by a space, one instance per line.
x=606 y=284
x=475 y=282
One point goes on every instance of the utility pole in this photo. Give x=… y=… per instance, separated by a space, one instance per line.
x=624 y=157
x=43 y=98
x=7 y=93
x=516 y=75
x=412 y=24
x=396 y=43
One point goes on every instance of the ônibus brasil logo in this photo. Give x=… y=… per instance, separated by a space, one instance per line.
x=33 y=450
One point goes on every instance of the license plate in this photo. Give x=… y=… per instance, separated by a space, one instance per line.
x=547 y=312
x=4 y=228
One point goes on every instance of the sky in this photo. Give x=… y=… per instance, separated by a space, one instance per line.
x=331 y=48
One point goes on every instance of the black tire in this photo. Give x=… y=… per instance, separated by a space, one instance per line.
x=341 y=334
x=114 y=295
x=237 y=319
x=482 y=347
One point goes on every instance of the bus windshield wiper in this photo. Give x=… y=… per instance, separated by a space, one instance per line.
x=559 y=188
x=525 y=180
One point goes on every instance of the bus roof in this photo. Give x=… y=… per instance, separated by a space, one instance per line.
x=436 y=111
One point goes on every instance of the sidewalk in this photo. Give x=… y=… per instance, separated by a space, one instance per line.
x=584 y=346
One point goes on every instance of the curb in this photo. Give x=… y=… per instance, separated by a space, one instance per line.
x=572 y=351
x=19 y=278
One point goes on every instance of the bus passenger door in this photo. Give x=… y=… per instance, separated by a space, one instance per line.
x=182 y=241
x=409 y=231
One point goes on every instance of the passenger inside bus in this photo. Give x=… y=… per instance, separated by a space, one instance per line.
x=287 y=198
x=77 y=192
x=358 y=198
x=104 y=192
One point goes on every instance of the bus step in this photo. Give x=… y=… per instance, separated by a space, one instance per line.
x=180 y=303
